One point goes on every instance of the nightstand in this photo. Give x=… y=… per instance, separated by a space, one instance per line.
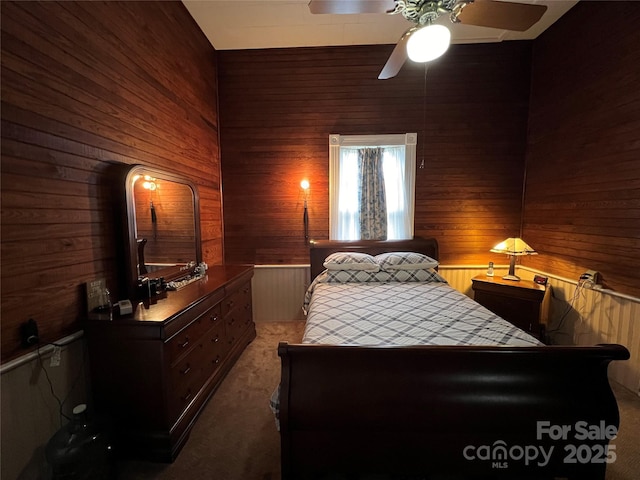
x=523 y=303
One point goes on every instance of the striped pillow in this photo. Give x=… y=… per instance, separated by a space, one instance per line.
x=351 y=261
x=404 y=261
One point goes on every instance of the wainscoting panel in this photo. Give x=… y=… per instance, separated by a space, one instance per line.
x=459 y=276
x=30 y=413
x=278 y=292
x=581 y=316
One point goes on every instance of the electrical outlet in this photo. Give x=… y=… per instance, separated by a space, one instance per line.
x=589 y=279
x=29 y=333
x=55 y=356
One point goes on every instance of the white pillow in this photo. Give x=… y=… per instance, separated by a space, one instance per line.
x=351 y=261
x=405 y=261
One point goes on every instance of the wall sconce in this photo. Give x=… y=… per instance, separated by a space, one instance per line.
x=304 y=184
x=149 y=183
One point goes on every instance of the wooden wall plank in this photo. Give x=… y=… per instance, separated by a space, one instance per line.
x=279 y=107
x=84 y=86
x=582 y=208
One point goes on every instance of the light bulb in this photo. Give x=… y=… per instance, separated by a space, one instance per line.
x=304 y=184
x=428 y=43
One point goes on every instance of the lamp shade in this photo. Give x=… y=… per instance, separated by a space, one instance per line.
x=514 y=246
x=428 y=43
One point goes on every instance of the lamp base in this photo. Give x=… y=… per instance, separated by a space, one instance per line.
x=514 y=278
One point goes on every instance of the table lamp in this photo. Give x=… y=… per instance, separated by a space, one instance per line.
x=514 y=247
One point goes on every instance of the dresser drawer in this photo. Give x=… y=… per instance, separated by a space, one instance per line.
x=216 y=348
x=237 y=321
x=190 y=373
x=188 y=337
x=185 y=379
x=518 y=302
x=237 y=312
x=522 y=313
x=238 y=299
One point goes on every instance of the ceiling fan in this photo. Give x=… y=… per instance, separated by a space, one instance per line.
x=426 y=41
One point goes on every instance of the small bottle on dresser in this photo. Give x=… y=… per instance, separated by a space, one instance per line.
x=490 y=270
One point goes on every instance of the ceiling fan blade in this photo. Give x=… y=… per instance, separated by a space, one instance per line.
x=351 y=6
x=397 y=57
x=504 y=15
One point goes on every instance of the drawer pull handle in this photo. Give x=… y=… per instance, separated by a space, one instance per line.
x=216 y=361
x=215 y=340
x=186 y=397
x=213 y=317
x=186 y=370
x=186 y=342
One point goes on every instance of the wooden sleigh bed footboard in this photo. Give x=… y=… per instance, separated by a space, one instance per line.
x=447 y=411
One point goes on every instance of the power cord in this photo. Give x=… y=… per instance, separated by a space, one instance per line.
x=74 y=383
x=576 y=294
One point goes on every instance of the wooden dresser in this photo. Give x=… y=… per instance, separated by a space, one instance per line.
x=153 y=371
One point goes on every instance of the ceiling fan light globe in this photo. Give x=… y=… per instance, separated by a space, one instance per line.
x=428 y=43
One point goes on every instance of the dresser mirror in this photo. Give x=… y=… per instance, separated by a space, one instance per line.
x=163 y=225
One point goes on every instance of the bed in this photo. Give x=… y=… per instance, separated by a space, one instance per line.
x=474 y=397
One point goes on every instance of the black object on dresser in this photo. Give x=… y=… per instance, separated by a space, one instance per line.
x=521 y=303
x=153 y=371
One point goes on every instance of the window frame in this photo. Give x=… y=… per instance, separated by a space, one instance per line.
x=336 y=142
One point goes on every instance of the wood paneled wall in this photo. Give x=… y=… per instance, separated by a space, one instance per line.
x=85 y=85
x=582 y=208
x=279 y=106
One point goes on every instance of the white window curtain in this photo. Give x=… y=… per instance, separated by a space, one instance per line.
x=347 y=213
x=399 y=163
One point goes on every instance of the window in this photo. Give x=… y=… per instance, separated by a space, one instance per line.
x=398 y=162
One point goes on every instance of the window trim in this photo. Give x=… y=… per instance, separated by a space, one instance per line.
x=409 y=140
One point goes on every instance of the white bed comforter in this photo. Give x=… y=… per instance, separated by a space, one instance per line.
x=404 y=313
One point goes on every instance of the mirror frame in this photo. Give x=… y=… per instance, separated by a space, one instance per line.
x=131 y=255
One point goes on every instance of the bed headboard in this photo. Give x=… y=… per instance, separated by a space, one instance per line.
x=320 y=249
